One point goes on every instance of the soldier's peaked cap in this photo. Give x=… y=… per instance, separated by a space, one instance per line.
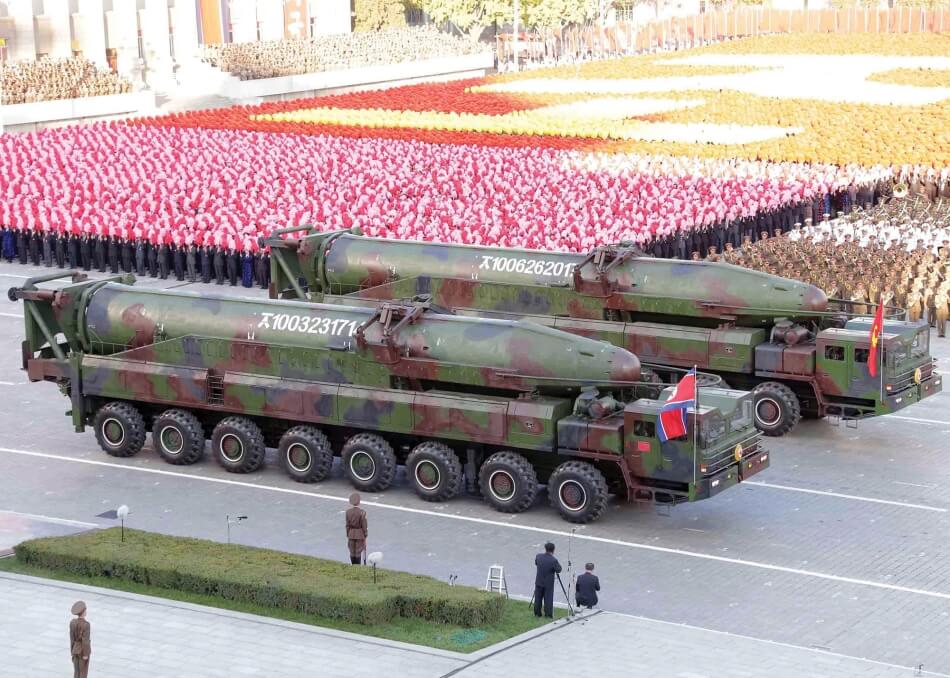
x=78 y=607
x=355 y=499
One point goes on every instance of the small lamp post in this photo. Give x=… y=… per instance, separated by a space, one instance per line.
x=373 y=559
x=237 y=519
x=121 y=513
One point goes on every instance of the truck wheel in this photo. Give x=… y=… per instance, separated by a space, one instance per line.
x=369 y=462
x=178 y=437
x=508 y=482
x=434 y=471
x=238 y=445
x=578 y=490
x=777 y=409
x=120 y=429
x=305 y=454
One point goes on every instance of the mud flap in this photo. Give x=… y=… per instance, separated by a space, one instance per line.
x=78 y=411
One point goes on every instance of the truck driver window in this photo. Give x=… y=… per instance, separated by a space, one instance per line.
x=834 y=352
x=644 y=429
x=860 y=355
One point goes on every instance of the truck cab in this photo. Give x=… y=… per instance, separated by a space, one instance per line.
x=905 y=375
x=725 y=450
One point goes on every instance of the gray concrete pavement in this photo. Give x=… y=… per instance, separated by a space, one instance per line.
x=141 y=636
x=839 y=545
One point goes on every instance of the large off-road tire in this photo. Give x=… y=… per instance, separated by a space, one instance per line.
x=305 y=454
x=578 y=490
x=178 y=437
x=120 y=429
x=369 y=462
x=777 y=410
x=508 y=482
x=238 y=445
x=434 y=471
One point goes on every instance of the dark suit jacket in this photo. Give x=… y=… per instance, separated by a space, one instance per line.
x=587 y=586
x=547 y=567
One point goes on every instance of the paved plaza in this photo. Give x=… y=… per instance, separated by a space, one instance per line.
x=837 y=552
x=141 y=636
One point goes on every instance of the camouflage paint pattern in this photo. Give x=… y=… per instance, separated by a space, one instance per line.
x=715 y=316
x=618 y=279
x=474 y=382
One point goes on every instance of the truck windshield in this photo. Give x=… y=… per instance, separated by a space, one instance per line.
x=902 y=355
x=920 y=347
x=712 y=427
x=742 y=417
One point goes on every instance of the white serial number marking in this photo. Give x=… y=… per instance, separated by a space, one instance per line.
x=307 y=324
x=546 y=269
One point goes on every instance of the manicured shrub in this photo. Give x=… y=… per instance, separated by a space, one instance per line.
x=263 y=577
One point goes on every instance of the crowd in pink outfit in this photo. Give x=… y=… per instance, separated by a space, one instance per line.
x=227 y=187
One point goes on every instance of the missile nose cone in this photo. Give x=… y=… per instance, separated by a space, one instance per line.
x=814 y=299
x=625 y=366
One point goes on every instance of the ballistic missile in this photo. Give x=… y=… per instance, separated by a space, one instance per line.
x=614 y=282
x=332 y=342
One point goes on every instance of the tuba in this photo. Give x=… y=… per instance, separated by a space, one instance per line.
x=900 y=190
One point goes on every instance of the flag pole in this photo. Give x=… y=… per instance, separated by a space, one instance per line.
x=880 y=356
x=695 y=424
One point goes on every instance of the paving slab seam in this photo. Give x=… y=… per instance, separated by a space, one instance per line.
x=778 y=643
x=522 y=639
x=241 y=616
x=507 y=525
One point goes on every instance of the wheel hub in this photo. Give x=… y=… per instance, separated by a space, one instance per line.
x=768 y=412
x=427 y=475
x=502 y=485
x=172 y=440
x=231 y=447
x=362 y=466
x=299 y=457
x=572 y=495
x=113 y=432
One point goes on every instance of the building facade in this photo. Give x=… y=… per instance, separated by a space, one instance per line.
x=152 y=40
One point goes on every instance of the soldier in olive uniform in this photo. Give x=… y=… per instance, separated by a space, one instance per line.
x=80 y=646
x=859 y=299
x=913 y=305
x=941 y=311
x=356 y=529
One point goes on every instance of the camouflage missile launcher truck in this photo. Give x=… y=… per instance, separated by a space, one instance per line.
x=757 y=331
x=462 y=402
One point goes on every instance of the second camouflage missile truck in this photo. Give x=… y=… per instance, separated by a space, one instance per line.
x=757 y=331
x=520 y=404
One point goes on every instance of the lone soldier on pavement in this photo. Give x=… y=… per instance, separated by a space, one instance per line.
x=356 y=529
x=548 y=567
x=79 y=644
x=586 y=587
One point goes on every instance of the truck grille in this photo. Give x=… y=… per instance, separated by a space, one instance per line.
x=724 y=457
x=906 y=379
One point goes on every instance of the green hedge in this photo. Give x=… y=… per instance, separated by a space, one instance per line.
x=270 y=578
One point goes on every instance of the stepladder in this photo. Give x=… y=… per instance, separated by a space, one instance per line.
x=495 y=581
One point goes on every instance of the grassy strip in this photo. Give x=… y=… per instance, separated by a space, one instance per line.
x=516 y=619
x=263 y=577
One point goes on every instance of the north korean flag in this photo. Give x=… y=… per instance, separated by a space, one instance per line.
x=877 y=327
x=673 y=413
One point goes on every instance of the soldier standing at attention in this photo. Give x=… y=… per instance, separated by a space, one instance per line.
x=547 y=567
x=79 y=642
x=356 y=529
x=941 y=311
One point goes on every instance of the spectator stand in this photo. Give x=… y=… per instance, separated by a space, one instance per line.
x=284 y=69
x=35 y=93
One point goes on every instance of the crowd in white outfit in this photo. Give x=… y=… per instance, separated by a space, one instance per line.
x=927 y=227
